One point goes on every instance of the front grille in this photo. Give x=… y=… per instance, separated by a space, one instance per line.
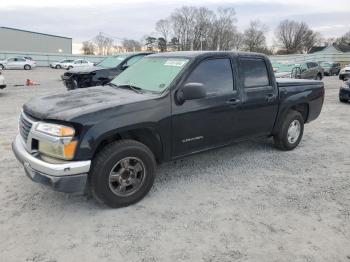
x=24 y=126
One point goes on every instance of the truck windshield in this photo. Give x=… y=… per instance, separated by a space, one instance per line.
x=152 y=74
x=112 y=61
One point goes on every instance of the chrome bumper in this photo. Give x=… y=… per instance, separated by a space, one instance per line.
x=69 y=176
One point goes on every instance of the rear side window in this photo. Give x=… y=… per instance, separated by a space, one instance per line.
x=254 y=73
x=214 y=74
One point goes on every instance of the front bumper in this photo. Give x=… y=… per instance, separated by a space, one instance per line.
x=69 y=176
x=344 y=93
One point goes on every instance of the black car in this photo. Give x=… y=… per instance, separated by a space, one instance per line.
x=108 y=140
x=102 y=73
x=331 y=68
x=344 y=92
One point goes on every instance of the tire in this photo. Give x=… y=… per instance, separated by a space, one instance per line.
x=318 y=77
x=69 y=67
x=58 y=67
x=2 y=67
x=343 y=100
x=114 y=157
x=282 y=138
x=27 y=67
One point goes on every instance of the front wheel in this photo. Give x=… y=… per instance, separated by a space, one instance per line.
x=122 y=173
x=27 y=67
x=58 y=67
x=291 y=131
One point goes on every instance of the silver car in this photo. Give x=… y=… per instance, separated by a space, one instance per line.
x=17 y=63
x=61 y=64
x=78 y=63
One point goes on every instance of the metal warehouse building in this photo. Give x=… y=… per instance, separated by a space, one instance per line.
x=12 y=39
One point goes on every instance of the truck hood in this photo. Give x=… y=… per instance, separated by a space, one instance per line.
x=69 y=105
x=283 y=82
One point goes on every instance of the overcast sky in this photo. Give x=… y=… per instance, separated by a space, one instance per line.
x=83 y=19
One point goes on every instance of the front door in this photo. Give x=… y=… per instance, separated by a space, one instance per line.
x=207 y=122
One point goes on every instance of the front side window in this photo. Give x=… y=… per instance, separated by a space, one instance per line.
x=254 y=73
x=152 y=74
x=214 y=74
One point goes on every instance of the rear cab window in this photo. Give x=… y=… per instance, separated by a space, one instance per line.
x=254 y=73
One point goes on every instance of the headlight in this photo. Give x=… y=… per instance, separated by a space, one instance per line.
x=58 y=149
x=62 y=145
x=55 y=130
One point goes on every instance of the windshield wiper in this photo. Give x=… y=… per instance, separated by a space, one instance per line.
x=131 y=87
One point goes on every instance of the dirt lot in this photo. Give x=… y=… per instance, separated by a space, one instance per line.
x=247 y=202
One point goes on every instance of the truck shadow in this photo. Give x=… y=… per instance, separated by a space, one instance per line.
x=216 y=164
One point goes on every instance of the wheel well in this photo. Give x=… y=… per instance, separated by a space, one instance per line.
x=303 y=109
x=146 y=136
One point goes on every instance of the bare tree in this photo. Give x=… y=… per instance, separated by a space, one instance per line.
x=254 y=38
x=163 y=27
x=131 y=45
x=104 y=44
x=311 y=39
x=88 y=48
x=295 y=37
x=344 y=40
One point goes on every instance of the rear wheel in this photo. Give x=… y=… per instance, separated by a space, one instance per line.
x=122 y=173
x=27 y=67
x=290 y=132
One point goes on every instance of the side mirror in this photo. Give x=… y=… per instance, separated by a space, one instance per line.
x=191 y=91
x=123 y=67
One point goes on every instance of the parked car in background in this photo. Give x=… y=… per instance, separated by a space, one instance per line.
x=330 y=68
x=61 y=64
x=344 y=73
x=102 y=73
x=17 y=63
x=2 y=81
x=307 y=70
x=344 y=92
x=78 y=63
x=109 y=140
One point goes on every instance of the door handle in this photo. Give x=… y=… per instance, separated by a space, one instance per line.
x=233 y=101
x=270 y=97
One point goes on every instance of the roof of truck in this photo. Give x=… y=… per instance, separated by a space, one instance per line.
x=193 y=54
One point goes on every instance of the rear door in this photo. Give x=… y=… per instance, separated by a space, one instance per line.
x=259 y=106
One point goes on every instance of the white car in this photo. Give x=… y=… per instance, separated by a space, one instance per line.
x=344 y=73
x=17 y=63
x=78 y=63
x=61 y=64
x=2 y=81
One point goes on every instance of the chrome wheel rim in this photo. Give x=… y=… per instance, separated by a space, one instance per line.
x=127 y=176
x=293 y=131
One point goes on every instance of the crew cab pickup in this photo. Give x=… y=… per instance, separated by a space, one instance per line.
x=108 y=140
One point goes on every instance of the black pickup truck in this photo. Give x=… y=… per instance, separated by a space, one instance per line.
x=108 y=140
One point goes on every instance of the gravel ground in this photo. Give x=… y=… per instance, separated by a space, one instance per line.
x=246 y=202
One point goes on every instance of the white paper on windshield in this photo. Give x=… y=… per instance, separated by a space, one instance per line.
x=178 y=63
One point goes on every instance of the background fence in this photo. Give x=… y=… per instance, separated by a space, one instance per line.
x=342 y=58
x=44 y=59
